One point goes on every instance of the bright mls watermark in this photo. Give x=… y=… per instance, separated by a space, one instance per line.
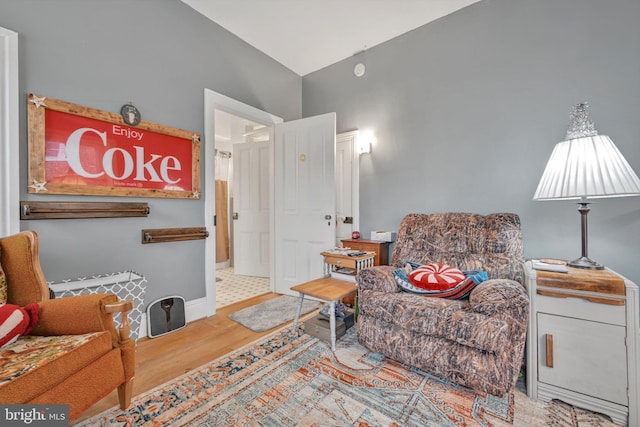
x=34 y=415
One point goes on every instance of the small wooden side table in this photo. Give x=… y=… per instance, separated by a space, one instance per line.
x=583 y=342
x=380 y=248
x=326 y=289
x=333 y=260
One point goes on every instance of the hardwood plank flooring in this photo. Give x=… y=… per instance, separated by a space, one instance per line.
x=161 y=359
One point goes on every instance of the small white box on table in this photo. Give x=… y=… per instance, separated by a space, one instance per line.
x=383 y=236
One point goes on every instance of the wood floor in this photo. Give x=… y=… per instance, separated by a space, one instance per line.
x=161 y=359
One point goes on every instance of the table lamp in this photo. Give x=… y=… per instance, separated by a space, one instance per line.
x=586 y=166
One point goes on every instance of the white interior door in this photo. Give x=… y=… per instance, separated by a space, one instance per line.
x=344 y=187
x=304 y=198
x=251 y=208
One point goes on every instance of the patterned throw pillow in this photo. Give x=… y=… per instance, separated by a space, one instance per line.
x=460 y=291
x=3 y=287
x=436 y=277
x=400 y=274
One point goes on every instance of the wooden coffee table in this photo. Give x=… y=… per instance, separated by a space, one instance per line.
x=326 y=289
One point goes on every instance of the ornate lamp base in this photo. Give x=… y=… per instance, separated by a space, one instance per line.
x=584 y=262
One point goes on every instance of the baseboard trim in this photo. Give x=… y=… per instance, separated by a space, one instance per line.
x=618 y=413
x=194 y=310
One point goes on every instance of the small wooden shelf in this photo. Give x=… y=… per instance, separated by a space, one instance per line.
x=162 y=235
x=70 y=210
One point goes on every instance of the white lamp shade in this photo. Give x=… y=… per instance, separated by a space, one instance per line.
x=590 y=167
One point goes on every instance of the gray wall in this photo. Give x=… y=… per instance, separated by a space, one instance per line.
x=466 y=111
x=161 y=55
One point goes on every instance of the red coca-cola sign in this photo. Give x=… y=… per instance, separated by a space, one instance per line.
x=86 y=154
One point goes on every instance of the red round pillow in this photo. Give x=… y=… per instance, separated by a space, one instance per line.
x=16 y=321
x=436 y=277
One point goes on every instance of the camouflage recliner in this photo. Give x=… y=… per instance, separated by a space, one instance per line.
x=476 y=342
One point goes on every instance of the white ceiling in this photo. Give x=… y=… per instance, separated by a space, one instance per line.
x=307 y=35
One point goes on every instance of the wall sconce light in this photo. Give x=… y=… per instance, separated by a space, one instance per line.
x=364 y=147
x=366 y=139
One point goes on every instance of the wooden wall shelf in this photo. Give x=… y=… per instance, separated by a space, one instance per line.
x=69 y=210
x=161 y=235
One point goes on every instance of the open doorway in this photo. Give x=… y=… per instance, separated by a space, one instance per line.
x=214 y=101
x=304 y=149
x=242 y=198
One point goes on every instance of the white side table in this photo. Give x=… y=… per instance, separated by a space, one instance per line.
x=583 y=341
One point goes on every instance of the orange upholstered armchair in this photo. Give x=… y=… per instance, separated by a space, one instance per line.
x=74 y=355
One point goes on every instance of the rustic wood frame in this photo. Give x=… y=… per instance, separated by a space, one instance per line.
x=36 y=141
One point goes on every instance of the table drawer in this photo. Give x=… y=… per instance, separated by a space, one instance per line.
x=340 y=261
x=581 y=308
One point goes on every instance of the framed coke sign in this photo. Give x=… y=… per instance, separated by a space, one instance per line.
x=84 y=151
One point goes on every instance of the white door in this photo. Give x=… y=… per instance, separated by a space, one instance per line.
x=9 y=133
x=344 y=186
x=304 y=198
x=251 y=208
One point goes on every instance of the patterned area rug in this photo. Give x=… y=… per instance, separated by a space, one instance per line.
x=292 y=379
x=274 y=312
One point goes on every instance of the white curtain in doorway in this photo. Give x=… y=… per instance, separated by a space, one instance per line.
x=222 y=165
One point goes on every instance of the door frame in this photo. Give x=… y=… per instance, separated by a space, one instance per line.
x=216 y=101
x=9 y=133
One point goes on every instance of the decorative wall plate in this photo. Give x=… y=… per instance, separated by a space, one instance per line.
x=130 y=114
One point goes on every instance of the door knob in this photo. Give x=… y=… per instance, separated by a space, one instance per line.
x=235 y=215
x=327 y=217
